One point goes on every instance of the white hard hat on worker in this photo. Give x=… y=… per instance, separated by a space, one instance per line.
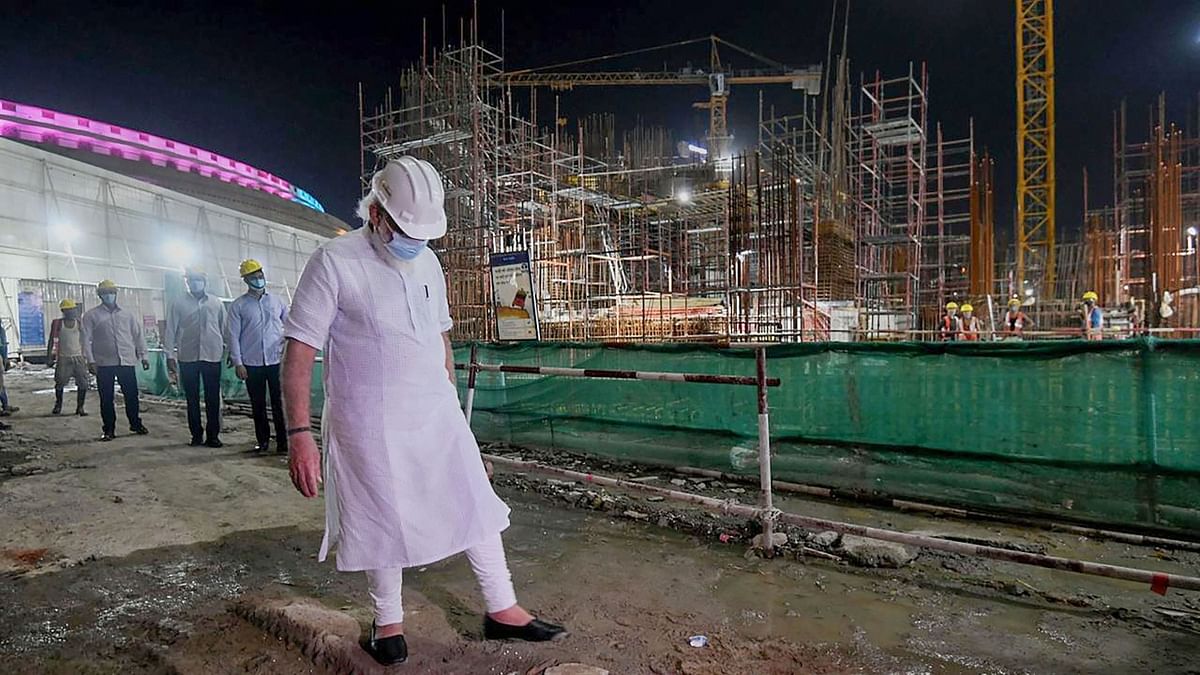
x=405 y=205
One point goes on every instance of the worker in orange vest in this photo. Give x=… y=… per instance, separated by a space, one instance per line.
x=1016 y=321
x=969 y=323
x=951 y=323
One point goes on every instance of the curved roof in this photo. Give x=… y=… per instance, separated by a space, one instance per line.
x=172 y=164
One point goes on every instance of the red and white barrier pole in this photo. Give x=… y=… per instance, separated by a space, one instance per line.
x=764 y=453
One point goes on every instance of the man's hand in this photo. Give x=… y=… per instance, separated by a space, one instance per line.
x=304 y=463
x=172 y=366
x=241 y=373
x=145 y=364
x=92 y=368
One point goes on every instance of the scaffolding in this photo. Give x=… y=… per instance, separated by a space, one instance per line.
x=1142 y=250
x=888 y=137
x=847 y=205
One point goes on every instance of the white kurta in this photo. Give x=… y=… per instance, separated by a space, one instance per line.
x=404 y=482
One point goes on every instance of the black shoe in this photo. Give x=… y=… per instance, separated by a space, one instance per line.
x=214 y=443
x=388 y=651
x=140 y=430
x=57 y=410
x=106 y=437
x=196 y=441
x=8 y=411
x=81 y=412
x=5 y=427
x=262 y=447
x=534 y=631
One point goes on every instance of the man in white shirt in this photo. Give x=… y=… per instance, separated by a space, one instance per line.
x=404 y=482
x=194 y=342
x=255 y=348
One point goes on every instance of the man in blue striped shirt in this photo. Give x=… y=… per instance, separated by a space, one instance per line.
x=256 y=346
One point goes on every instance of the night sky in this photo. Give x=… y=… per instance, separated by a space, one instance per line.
x=275 y=84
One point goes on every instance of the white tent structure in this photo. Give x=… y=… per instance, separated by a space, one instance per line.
x=66 y=224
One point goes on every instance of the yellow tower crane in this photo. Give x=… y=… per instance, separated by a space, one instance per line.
x=1035 y=142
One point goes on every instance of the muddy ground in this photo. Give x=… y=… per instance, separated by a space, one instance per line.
x=129 y=557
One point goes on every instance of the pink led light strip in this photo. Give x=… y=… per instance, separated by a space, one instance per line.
x=31 y=123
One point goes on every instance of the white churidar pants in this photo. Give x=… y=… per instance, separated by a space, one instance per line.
x=488 y=563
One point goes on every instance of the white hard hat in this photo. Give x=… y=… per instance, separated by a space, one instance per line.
x=411 y=191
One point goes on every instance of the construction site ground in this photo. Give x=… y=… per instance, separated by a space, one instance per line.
x=143 y=555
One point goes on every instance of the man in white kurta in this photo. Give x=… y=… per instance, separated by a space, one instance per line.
x=404 y=481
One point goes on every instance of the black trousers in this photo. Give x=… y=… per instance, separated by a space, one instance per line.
x=260 y=379
x=191 y=374
x=105 y=378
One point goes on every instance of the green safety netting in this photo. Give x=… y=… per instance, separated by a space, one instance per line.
x=1096 y=431
x=1105 y=432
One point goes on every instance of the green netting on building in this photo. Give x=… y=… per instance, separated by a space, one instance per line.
x=1106 y=432
x=1097 y=431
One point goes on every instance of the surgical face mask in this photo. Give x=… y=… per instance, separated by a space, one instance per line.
x=197 y=285
x=257 y=283
x=69 y=314
x=109 y=299
x=966 y=315
x=406 y=248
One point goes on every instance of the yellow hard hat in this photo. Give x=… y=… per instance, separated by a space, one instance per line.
x=249 y=266
x=952 y=305
x=67 y=304
x=1014 y=302
x=106 y=285
x=1090 y=295
x=967 y=308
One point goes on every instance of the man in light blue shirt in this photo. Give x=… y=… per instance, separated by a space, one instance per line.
x=194 y=342
x=255 y=348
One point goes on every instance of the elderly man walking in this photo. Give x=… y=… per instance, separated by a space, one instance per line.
x=255 y=348
x=194 y=342
x=112 y=343
x=404 y=481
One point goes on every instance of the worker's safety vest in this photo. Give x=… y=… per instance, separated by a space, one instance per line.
x=950 y=327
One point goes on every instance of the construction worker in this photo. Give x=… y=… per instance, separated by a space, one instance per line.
x=404 y=482
x=255 y=349
x=67 y=358
x=951 y=328
x=5 y=408
x=1093 y=318
x=1015 y=320
x=1137 y=319
x=194 y=342
x=112 y=343
x=970 y=323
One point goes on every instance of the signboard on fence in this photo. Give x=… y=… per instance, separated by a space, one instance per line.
x=32 y=319
x=513 y=296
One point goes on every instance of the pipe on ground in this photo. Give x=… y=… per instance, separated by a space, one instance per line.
x=1159 y=581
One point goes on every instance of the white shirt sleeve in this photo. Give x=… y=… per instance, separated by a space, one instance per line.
x=314 y=303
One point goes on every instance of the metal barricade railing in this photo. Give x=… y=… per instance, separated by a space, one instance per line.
x=766 y=512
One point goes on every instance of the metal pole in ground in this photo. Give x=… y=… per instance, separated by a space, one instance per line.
x=472 y=371
x=764 y=453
